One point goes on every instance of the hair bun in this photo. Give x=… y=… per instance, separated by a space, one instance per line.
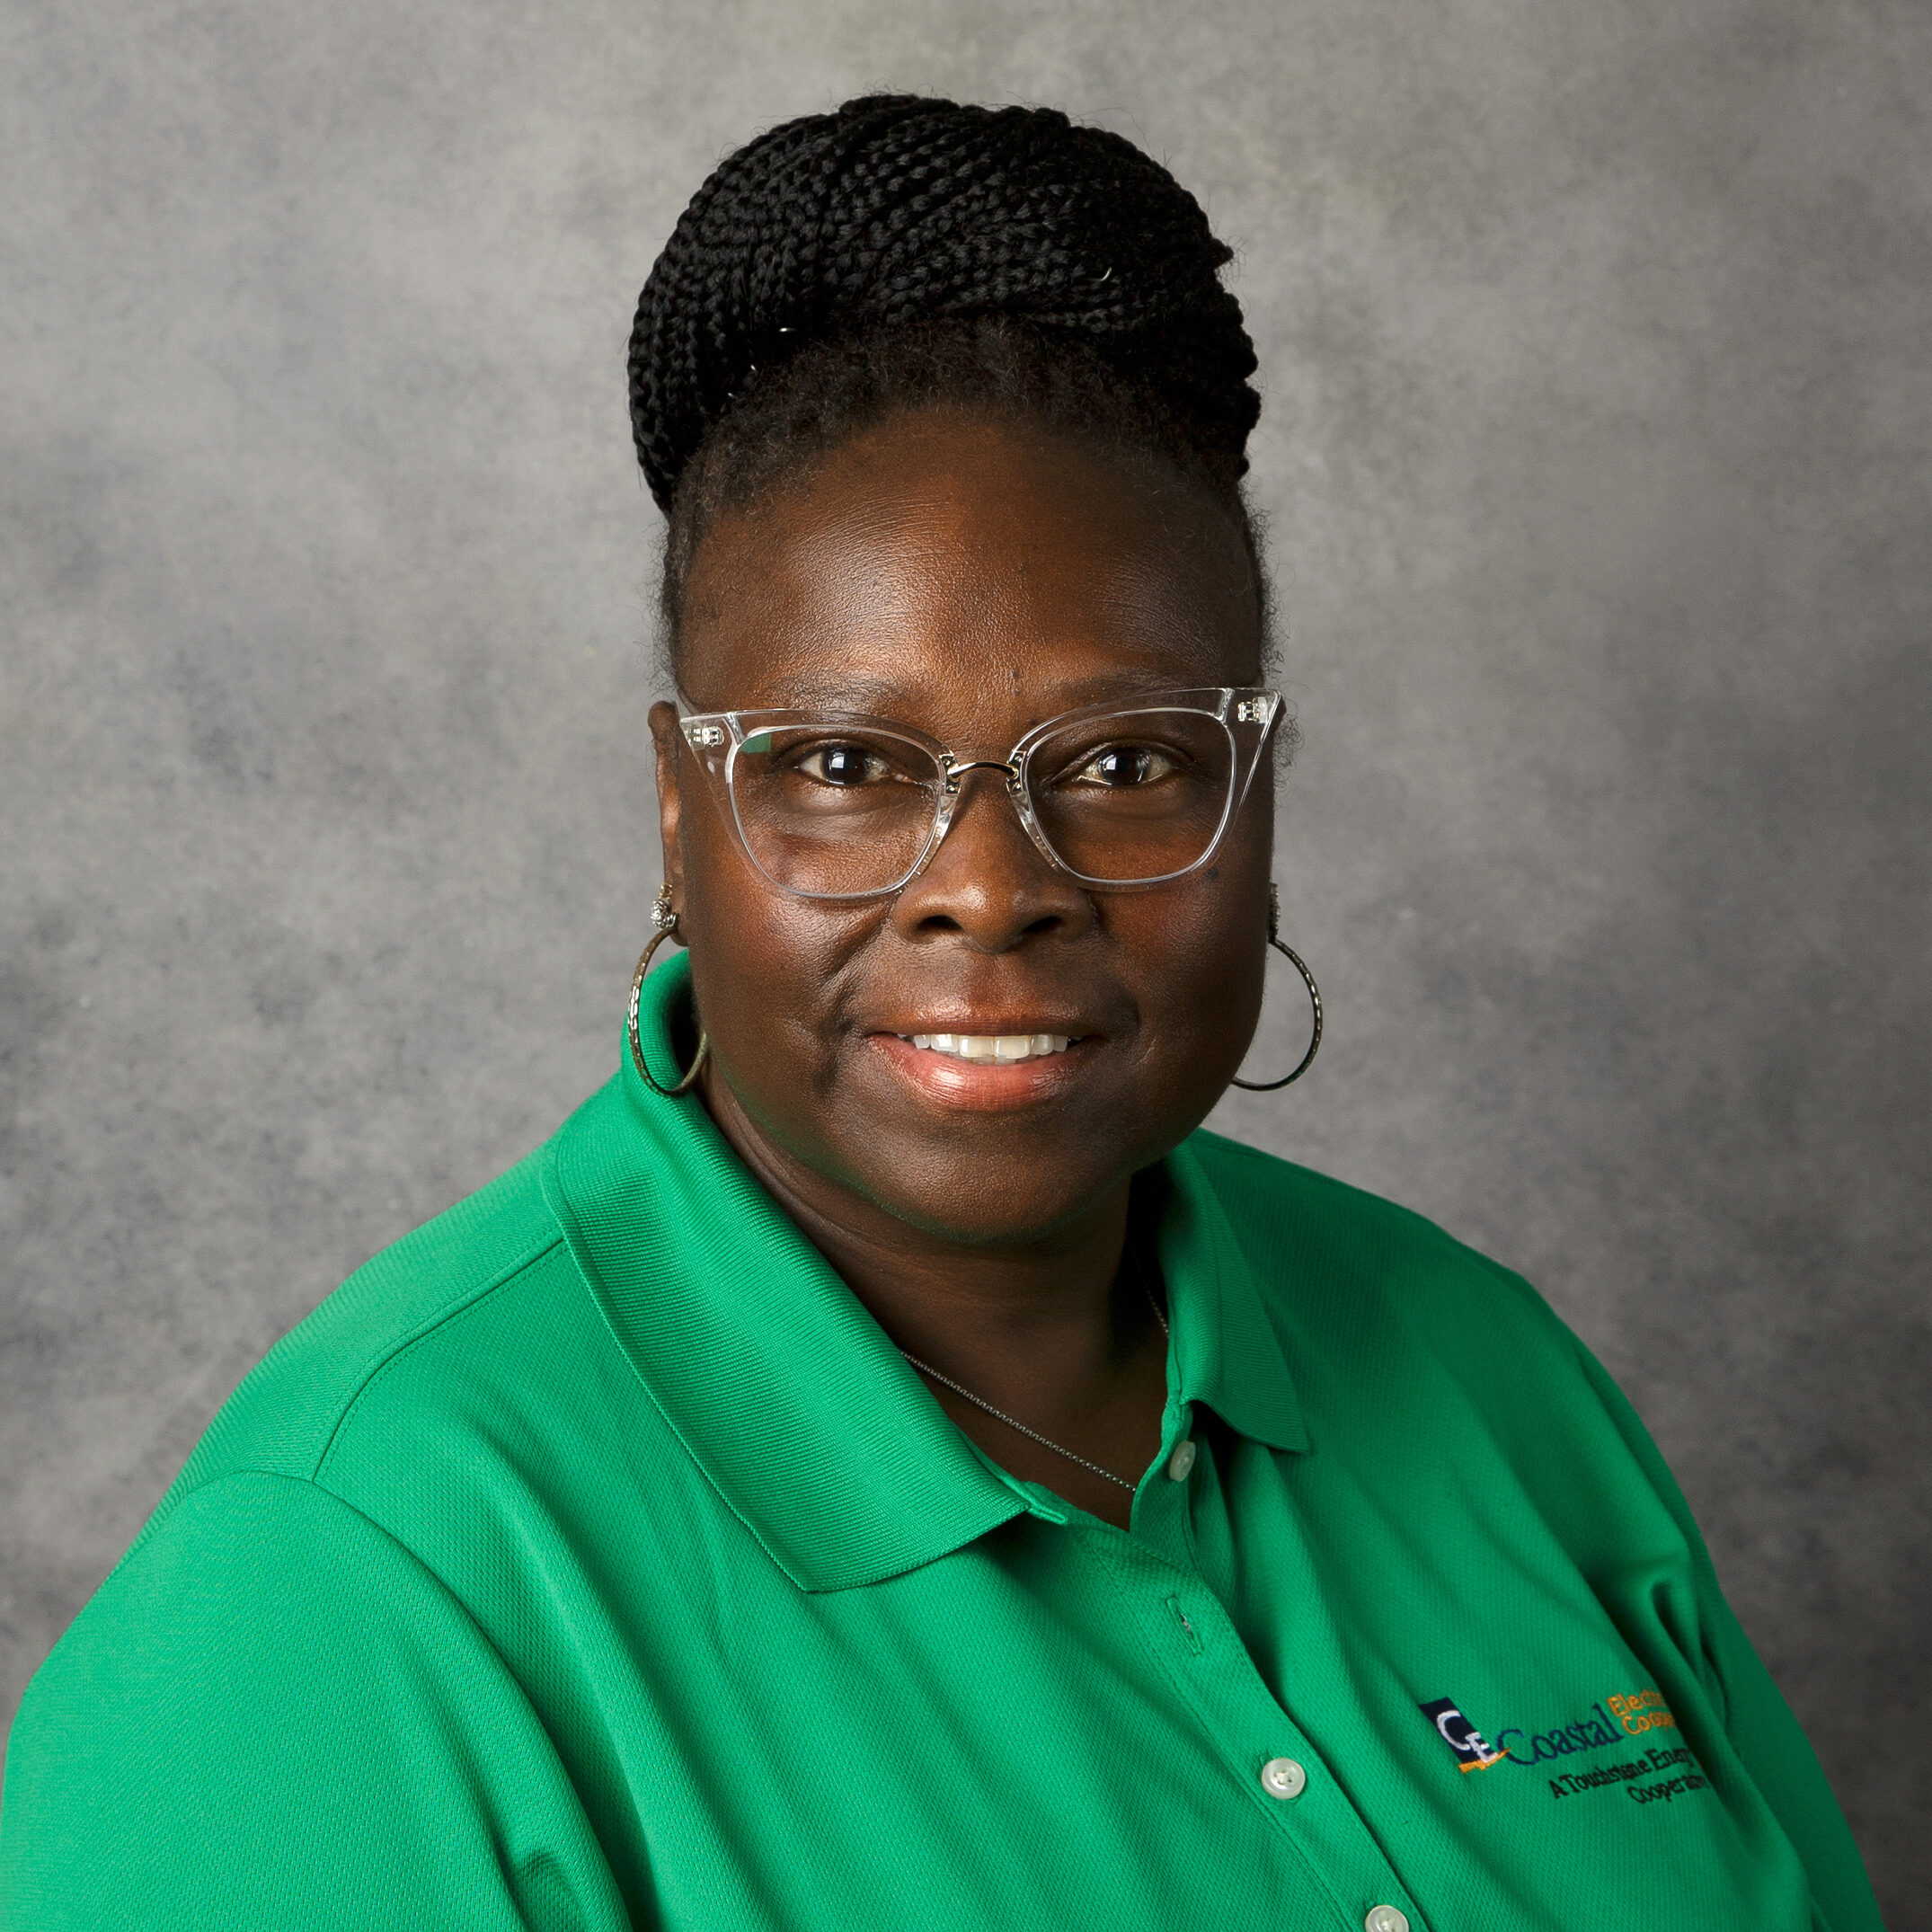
x=898 y=208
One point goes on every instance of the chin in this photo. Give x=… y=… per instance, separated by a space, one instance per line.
x=1000 y=1202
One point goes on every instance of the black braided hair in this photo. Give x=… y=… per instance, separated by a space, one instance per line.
x=906 y=249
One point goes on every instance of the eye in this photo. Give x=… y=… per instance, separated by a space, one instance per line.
x=1122 y=766
x=843 y=764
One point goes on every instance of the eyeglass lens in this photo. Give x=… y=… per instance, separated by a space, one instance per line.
x=833 y=809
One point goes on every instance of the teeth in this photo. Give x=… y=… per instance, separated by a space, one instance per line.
x=1003 y=1048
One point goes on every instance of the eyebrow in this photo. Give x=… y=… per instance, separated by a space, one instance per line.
x=886 y=697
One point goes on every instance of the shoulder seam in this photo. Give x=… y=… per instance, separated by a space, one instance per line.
x=1419 y=1224
x=1393 y=1208
x=413 y=1556
x=393 y=1351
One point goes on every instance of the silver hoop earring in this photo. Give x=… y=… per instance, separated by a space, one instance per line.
x=665 y=922
x=1315 y=997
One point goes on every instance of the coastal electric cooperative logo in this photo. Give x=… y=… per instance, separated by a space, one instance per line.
x=1657 y=1774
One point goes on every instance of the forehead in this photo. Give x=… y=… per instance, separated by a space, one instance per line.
x=943 y=567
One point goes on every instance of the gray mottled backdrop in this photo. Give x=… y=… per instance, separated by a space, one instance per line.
x=1595 y=342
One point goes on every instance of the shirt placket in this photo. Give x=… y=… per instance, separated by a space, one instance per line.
x=1272 y=1761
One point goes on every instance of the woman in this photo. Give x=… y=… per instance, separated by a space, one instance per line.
x=882 y=1464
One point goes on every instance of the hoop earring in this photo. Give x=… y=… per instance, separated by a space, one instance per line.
x=665 y=922
x=1315 y=997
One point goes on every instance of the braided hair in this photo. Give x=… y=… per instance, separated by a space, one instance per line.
x=906 y=250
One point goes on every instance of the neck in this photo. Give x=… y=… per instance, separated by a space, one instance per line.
x=1050 y=1327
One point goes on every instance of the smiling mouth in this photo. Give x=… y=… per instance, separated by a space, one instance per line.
x=991 y=1048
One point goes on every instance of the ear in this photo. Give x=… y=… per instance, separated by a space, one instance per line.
x=667 y=735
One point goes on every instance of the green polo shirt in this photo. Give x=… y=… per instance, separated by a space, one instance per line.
x=591 y=1559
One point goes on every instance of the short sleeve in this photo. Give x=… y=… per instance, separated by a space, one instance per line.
x=1766 y=1736
x=272 y=1715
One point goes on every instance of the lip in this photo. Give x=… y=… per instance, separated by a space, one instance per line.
x=987 y=1085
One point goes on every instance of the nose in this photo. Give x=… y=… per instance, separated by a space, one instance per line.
x=988 y=881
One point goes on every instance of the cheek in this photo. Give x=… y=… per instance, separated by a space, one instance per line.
x=1202 y=967
x=766 y=971
x=1205 y=943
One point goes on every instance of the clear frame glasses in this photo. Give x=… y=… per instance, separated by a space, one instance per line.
x=1130 y=793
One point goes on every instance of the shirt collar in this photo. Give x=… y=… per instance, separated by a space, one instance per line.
x=1227 y=1351
x=786 y=1393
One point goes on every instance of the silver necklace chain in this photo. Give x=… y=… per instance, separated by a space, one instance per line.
x=980 y=1401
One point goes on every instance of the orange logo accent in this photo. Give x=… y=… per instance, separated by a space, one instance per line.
x=1641 y=1711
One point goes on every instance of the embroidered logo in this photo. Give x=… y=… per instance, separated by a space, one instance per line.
x=1642 y=1710
x=1658 y=1772
x=1472 y=1753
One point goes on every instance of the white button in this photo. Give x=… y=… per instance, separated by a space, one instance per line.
x=1180 y=1462
x=1385 y=1918
x=1282 y=1777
